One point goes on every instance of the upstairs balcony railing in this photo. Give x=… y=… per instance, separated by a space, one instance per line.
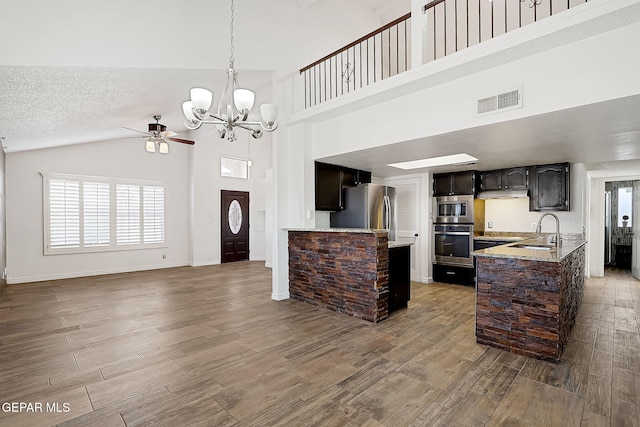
x=382 y=53
x=452 y=25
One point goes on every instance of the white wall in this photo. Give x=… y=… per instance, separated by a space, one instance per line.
x=192 y=176
x=194 y=34
x=207 y=184
x=119 y=159
x=430 y=108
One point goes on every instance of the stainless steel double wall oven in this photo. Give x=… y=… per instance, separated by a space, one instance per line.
x=453 y=219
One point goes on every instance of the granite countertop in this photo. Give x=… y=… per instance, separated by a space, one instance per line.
x=553 y=255
x=499 y=238
x=392 y=243
x=338 y=230
x=396 y=244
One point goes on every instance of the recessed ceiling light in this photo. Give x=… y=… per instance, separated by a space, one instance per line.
x=454 y=159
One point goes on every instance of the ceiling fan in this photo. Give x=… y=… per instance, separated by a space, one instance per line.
x=158 y=134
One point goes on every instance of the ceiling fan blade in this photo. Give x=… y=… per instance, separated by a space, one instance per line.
x=183 y=141
x=169 y=133
x=136 y=130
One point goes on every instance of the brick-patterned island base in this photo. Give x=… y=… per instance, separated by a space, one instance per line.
x=345 y=271
x=528 y=306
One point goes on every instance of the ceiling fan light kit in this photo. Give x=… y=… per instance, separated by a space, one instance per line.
x=158 y=134
x=233 y=108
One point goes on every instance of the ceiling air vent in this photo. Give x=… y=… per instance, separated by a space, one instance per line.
x=501 y=102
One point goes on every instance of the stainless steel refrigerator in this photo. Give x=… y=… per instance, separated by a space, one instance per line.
x=368 y=206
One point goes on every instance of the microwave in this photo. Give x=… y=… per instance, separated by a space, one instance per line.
x=453 y=209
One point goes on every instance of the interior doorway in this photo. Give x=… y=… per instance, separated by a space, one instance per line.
x=619 y=223
x=234 y=233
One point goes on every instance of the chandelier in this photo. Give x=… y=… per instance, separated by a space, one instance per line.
x=233 y=108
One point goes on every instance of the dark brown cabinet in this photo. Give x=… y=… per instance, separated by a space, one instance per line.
x=515 y=178
x=456 y=183
x=491 y=180
x=549 y=187
x=505 y=179
x=328 y=188
x=330 y=182
x=399 y=277
x=486 y=244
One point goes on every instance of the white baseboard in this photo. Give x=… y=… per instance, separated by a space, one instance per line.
x=426 y=280
x=74 y=274
x=203 y=263
x=268 y=265
x=280 y=297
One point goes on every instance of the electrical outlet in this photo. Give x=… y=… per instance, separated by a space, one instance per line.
x=490 y=224
x=164 y=256
x=534 y=225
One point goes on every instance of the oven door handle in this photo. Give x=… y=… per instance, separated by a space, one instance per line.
x=453 y=233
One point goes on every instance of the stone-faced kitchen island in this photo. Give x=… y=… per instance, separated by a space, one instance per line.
x=345 y=270
x=528 y=298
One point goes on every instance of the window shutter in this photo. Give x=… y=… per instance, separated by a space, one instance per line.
x=96 y=211
x=153 y=214
x=64 y=214
x=127 y=214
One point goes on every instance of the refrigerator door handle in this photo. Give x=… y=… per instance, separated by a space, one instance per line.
x=387 y=213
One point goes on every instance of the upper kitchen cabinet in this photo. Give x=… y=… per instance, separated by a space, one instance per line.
x=328 y=187
x=491 y=180
x=455 y=183
x=505 y=179
x=331 y=180
x=549 y=187
x=515 y=178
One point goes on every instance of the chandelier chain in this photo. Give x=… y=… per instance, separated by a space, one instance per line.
x=231 y=32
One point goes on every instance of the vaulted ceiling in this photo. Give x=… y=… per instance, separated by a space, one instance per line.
x=100 y=66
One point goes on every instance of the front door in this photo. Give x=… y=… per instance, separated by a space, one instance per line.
x=235 y=225
x=635 y=226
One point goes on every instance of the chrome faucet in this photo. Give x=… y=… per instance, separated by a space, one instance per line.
x=558 y=239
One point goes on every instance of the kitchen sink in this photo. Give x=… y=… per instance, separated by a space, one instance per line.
x=534 y=246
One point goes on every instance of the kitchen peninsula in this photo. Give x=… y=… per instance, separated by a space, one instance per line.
x=348 y=270
x=528 y=295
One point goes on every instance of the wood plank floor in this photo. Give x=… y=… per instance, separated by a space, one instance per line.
x=207 y=346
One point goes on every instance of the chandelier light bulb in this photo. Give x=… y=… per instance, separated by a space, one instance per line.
x=269 y=113
x=201 y=99
x=244 y=99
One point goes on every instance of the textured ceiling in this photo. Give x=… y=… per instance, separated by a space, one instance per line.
x=68 y=105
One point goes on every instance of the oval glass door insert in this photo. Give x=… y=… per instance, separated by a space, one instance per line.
x=235 y=217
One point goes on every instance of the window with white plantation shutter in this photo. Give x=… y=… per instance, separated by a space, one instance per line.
x=64 y=214
x=97 y=214
x=127 y=214
x=94 y=214
x=153 y=217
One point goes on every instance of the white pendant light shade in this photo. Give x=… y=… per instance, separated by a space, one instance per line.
x=164 y=147
x=243 y=98
x=187 y=109
x=201 y=98
x=150 y=146
x=269 y=113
